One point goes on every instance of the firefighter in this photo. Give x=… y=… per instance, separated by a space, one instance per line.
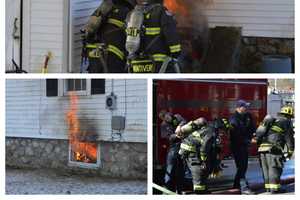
x=272 y=136
x=105 y=36
x=216 y=161
x=152 y=40
x=195 y=149
x=241 y=133
x=175 y=168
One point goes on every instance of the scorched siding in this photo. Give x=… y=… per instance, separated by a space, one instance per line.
x=29 y=113
x=259 y=18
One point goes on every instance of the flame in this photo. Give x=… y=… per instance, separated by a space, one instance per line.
x=185 y=8
x=176 y=6
x=81 y=151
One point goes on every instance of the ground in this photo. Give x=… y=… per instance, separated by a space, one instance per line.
x=254 y=176
x=25 y=181
x=223 y=184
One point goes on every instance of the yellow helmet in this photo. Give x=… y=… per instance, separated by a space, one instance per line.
x=287 y=110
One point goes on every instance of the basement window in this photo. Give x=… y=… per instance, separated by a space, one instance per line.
x=84 y=154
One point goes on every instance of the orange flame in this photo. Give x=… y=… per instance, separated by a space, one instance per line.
x=81 y=151
x=176 y=7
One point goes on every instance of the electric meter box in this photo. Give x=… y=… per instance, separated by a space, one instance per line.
x=118 y=122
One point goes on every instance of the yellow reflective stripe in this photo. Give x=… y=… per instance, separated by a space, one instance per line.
x=140 y=61
x=203 y=156
x=199 y=187
x=187 y=147
x=226 y=123
x=277 y=129
x=116 y=22
x=116 y=51
x=159 y=57
x=266 y=145
x=267 y=186
x=274 y=186
x=175 y=48
x=147 y=16
x=91 y=46
x=152 y=31
x=197 y=136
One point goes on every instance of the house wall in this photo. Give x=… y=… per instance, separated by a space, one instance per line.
x=274 y=104
x=31 y=114
x=258 y=18
x=12 y=46
x=120 y=160
x=53 y=26
x=43 y=24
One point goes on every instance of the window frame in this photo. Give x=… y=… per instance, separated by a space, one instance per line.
x=85 y=92
x=96 y=165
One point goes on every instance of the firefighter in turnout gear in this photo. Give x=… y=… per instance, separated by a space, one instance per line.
x=152 y=41
x=216 y=162
x=272 y=136
x=195 y=149
x=105 y=37
x=175 y=168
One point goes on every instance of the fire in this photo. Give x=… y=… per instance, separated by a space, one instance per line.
x=81 y=151
x=176 y=6
x=185 y=8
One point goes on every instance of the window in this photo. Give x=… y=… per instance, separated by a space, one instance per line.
x=84 y=155
x=61 y=87
x=98 y=86
x=51 y=87
x=77 y=85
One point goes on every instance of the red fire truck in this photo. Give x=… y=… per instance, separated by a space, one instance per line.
x=206 y=98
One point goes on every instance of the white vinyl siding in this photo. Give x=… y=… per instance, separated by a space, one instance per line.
x=258 y=18
x=53 y=26
x=12 y=46
x=29 y=113
x=43 y=32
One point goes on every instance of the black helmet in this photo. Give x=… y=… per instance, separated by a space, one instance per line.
x=131 y=2
x=178 y=117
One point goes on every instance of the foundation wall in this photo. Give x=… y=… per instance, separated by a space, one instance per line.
x=118 y=159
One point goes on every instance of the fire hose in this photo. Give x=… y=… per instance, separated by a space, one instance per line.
x=46 y=62
x=162 y=189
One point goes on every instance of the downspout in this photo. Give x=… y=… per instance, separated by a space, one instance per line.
x=21 y=34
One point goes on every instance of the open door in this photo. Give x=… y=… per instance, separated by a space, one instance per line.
x=13 y=35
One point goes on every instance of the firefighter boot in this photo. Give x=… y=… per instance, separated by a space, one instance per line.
x=279 y=191
x=245 y=189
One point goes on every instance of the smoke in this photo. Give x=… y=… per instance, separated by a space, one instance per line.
x=192 y=24
x=190 y=13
